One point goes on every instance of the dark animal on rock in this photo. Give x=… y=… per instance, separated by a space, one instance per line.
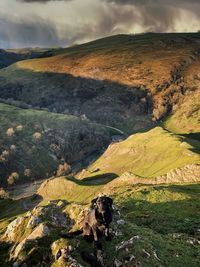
x=96 y=223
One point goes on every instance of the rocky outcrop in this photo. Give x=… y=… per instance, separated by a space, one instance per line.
x=186 y=174
x=62 y=252
x=39 y=232
x=11 y=229
x=26 y=232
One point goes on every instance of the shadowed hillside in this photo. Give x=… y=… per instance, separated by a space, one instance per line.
x=33 y=144
x=10 y=56
x=101 y=101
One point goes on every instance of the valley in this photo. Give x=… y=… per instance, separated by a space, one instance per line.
x=119 y=116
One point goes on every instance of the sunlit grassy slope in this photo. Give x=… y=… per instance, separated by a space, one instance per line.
x=132 y=60
x=149 y=154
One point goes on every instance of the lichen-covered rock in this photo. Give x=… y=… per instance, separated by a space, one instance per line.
x=62 y=249
x=33 y=221
x=77 y=213
x=118 y=263
x=11 y=229
x=53 y=214
x=125 y=244
x=39 y=232
x=17 y=264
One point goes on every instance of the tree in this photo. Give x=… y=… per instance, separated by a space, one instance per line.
x=27 y=172
x=19 y=128
x=37 y=136
x=3 y=193
x=13 y=178
x=63 y=169
x=10 y=132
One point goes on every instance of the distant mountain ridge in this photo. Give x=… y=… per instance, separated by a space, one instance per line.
x=8 y=57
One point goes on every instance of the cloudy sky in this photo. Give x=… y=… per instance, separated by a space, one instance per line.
x=46 y=23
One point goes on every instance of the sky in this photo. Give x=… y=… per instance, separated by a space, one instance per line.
x=47 y=23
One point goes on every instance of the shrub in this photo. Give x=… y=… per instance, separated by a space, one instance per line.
x=19 y=128
x=13 y=147
x=10 y=132
x=13 y=178
x=27 y=172
x=63 y=169
x=37 y=136
x=3 y=193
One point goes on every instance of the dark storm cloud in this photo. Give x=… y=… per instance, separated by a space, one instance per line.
x=23 y=33
x=63 y=22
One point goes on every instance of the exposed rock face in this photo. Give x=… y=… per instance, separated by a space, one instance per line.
x=187 y=174
x=39 y=232
x=26 y=231
x=11 y=229
x=33 y=222
x=54 y=214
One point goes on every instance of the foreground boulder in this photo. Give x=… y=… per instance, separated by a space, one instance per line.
x=31 y=235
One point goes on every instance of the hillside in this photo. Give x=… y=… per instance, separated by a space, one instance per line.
x=186 y=116
x=33 y=143
x=148 y=154
x=127 y=79
x=156 y=224
x=119 y=116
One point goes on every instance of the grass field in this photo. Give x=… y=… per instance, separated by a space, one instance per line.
x=149 y=154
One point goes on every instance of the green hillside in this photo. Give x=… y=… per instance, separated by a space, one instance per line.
x=33 y=143
x=148 y=154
